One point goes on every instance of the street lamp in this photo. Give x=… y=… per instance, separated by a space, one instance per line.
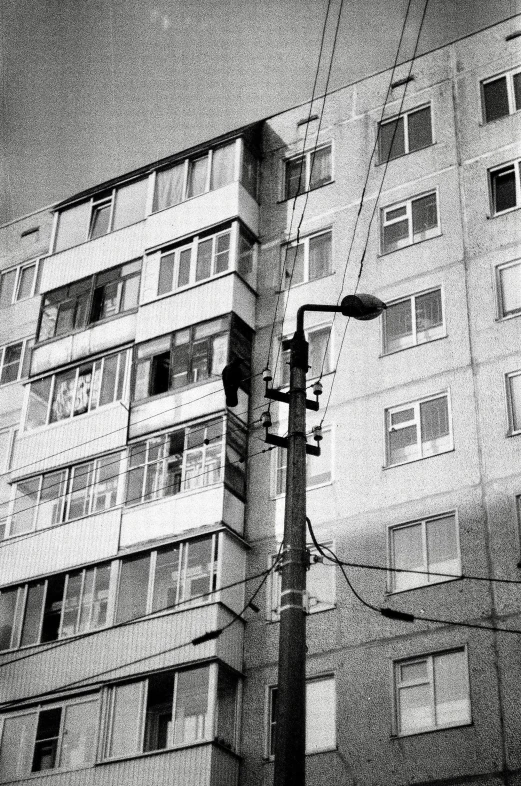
x=290 y=739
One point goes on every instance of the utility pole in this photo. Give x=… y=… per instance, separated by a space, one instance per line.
x=290 y=739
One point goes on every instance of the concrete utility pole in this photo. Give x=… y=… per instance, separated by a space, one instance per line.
x=290 y=739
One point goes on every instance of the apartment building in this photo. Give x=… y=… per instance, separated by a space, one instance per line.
x=135 y=505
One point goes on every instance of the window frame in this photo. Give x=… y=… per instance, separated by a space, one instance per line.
x=192 y=244
x=426 y=581
x=305 y=156
x=509 y=79
x=22 y=371
x=512 y=431
x=405 y=117
x=430 y=233
x=416 y=406
x=429 y=658
x=305 y=241
x=441 y=330
x=501 y=313
x=18 y=270
x=515 y=165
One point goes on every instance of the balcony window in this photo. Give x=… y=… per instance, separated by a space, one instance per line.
x=419 y=429
x=409 y=222
x=19 y=283
x=107 y=211
x=308 y=260
x=413 y=320
x=201 y=258
x=65 y=494
x=190 y=356
x=405 y=134
x=76 y=391
x=505 y=188
x=14 y=361
x=432 y=692
x=308 y=171
x=501 y=95
x=509 y=289
x=90 y=300
x=430 y=546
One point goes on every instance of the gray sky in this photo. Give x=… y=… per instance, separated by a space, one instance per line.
x=94 y=88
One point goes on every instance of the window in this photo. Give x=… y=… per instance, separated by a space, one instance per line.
x=430 y=545
x=319 y=358
x=90 y=300
x=308 y=259
x=189 y=356
x=105 y=212
x=419 y=429
x=318 y=468
x=91 y=598
x=18 y=283
x=320 y=716
x=65 y=494
x=432 y=692
x=170 y=709
x=320 y=586
x=14 y=361
x=7 y=443
x=501 y=95
x=405 y=134
x=192 y=177
x=509 y=289
x=505 y=187
x=413 y=320
x=514 y=401
x=201 y=258
x=58 y=737
x=76 y=391
x=409 y=222
x=307 y=171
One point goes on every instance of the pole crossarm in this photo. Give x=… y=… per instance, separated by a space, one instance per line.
x=282 y=442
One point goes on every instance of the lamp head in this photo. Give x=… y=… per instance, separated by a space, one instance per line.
x=362 y=306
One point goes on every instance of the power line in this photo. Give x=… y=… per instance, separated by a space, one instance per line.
x=197 y=640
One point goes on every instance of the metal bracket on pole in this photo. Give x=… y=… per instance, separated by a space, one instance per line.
x=282 y=442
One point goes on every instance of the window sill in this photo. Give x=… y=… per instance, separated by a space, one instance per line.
x=506 y=317
x=457 y=725
x=309 y=613
x=181 y=494
x=173 y=749
x=418 y=458
x=303 y=193
x=174 y=391
x=12 y=382
x=308 y=488
x=191 y=286
x=412 y=346
x=504 y=212
x=56 y=424
x=107 y=320
x=444 y=580
x=309 y=281
x=404 y=155
x=409 y=245
x=330 y=749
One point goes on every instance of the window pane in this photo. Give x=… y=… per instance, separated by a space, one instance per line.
x=318 y=344
x=183 y=277
x=320 y=715
x=83 y=389
x=204 y=260
x=510 y=284
x=7 y=616
x=52 y=497
x=434 y=419
x=53 y=608
x=451 y=689
x=25 y=505
x=294 y=268
x=65 y=318
x=222 y=252
x=7 y=282
x=46 y=745
x=442 y=546
x=130 y=203
x=73 y=224
x=93 y=613
x=11 y=364
x=516 y=81
x=126 y=720
x=407 y=552
x=319 y=467
x=166 y=274
x=133 y=588
x=504 y=189
x=320 y=583
x=319 y=256
x=100 y=220
x=33 y=614
x=424 y=215
x=416 y=711
x=79 y=735
x=25 y=282
x=226 y=708
x=38 y=403
x=419 y=129
x=391 y=140
x=166 y=578
x=169 y=187
x=191 y=705
x=403 y=444
x=246 y=250
x=158 y=723
x=320 y=167
x=396 y=235
x=223 y=165
x=495 y=96
x=130 y=292
x=295 y=177
x=515 y=401
x=398 y=326
x=71 y=603
x=197 y=176
x=64 y=385
x=198 y=568
x=249 y=171
x=17 y=746
x=80 y=490
x=108 y=385
x=106 y=486
x=428 y=313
